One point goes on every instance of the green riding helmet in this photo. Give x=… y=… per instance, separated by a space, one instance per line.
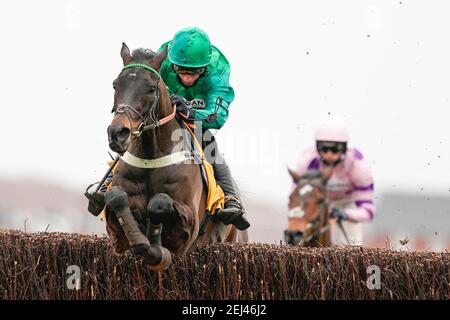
x=190 y=48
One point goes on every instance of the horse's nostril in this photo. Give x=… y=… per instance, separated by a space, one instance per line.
x=123 y=133
x=298 y=235
x=118 y=134
x=293 y=237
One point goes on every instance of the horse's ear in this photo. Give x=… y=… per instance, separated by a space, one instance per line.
x=159 y=58
x=295 y=176
x=125 y=54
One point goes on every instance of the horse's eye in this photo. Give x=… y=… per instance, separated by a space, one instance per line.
x=151 y=90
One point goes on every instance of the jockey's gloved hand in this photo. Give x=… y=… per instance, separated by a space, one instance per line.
x=182 y=106
x=178 y=100
x=338 y=214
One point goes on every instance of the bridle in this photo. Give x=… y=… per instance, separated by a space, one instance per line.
x=313 y=224
x=151 y=113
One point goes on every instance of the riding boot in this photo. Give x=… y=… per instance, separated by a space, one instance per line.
x=233 y=211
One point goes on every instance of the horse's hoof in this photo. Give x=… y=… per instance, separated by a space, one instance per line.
x=139 y=249
x=166 y=260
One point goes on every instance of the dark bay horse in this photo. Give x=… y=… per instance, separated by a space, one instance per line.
x=308 y=218
x=158 y=198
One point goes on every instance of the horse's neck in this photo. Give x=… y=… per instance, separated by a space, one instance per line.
x=162 y=140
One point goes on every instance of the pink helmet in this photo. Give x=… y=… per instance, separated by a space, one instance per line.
x=332 y=131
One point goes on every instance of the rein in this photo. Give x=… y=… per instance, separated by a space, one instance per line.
x=316 y=233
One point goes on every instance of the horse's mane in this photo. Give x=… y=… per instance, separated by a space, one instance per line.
x=141 y=55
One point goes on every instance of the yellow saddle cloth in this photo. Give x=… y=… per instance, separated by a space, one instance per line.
x=216 y=198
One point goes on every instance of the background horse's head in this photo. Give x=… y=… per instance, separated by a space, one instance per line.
x=139 y=91
x=308 y=212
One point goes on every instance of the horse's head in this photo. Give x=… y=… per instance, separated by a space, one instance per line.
x=307 y=207
x=139 y=91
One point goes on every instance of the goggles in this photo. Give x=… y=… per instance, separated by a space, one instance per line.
x=188 y=71
x=334 y=147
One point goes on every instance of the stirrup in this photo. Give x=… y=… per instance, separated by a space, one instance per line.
x=96 y=202
x=96 y=199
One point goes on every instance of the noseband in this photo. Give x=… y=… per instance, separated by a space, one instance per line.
x=313 y=224
x=151 y=113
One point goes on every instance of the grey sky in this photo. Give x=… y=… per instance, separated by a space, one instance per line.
x=383 y=66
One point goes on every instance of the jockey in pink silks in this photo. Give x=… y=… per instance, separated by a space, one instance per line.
x=350 y=190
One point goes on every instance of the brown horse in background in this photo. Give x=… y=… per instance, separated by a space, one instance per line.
x=157 y=211
x=308 y=218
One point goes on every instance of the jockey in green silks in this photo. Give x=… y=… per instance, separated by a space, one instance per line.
x=197 y=76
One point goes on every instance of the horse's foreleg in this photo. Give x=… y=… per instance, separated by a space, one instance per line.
x=119 y=242
x=155 y=256
x=159 y=208
x=117 y=200
x=164 y=211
